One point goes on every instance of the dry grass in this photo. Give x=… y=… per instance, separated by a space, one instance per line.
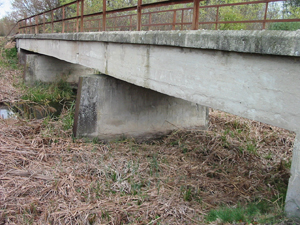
x=8 y=77
x=47 y=177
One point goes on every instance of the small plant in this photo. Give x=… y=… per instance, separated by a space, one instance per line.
x=225 y=143
x=269 y=156
x=105 y=215
x=251 y=148
x=154 y=166
x=187 y=194
x=136 y=188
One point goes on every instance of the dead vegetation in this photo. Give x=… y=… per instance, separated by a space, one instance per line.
x=8 y=76
x=48 y=177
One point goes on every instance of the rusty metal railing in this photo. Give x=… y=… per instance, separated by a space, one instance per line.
x=164 y=15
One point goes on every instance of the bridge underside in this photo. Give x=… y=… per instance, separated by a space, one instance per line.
x=248 y=76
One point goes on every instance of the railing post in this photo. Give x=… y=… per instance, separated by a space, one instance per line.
x=52 y=19
x=77 y=20
x=195 y=24
x=30 y=23
x=265 y=17
x=44 y=23
x=182 y=17
x=82 y=11
x=130 y=22
x=139 y=15
x=63 y=19
x=217 y=18
x=174 y=20
x=150 y=21
x=104 y=16
x=36 y=25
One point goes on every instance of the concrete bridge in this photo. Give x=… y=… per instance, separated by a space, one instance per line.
x=153 y=82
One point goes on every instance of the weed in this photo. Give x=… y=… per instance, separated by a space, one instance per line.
x=136 y=188
x=154 y=166
x=105 y=215
x=114 y=176
x=225 y=143
x=187 y=194
x=68 y=117
x=95 y=140
x=251 y=148
x=269 y=156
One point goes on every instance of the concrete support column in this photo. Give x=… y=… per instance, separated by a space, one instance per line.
x=108 y=108
x=22 y=56
x=292 y=202
x=48 y=69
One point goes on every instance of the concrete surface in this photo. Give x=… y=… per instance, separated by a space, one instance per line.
x=108 y=108
x=48 y=69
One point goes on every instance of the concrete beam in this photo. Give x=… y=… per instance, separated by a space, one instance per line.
x=108 y=108
x=48 y=69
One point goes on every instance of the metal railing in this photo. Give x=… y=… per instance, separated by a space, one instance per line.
x=164 y=15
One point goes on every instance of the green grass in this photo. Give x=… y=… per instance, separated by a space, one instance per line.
x=249 y=213
x=9 y=58
x=47 y=99
x=45 y=92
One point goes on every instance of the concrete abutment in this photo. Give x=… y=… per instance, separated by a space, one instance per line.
x=49 y=69
x=109 y=109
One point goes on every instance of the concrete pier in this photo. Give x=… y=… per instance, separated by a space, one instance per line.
x=108 y=108
x=48 y=69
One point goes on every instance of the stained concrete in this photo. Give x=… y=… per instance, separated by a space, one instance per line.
x=108 y=108
x=48 y=69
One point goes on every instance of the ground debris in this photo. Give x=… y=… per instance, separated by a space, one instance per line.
x=176 y=180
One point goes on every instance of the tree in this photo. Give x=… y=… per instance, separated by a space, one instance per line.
x=26 y=8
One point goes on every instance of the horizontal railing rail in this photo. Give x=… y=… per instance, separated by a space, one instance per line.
x=191 y=14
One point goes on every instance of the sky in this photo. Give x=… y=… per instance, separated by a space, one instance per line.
x=6 y=7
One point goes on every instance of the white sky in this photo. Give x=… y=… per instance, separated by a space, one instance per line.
x=6 y=7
